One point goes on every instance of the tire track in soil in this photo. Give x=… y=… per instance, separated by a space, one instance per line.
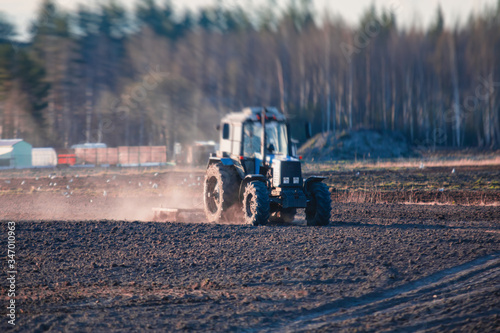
x=397 y=300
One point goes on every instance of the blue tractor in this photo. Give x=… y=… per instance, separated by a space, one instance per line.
x=256 y=172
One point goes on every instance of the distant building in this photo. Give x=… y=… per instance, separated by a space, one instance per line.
x=199 y=153
x=89 y=145
x=15 y=153
x=44 y=157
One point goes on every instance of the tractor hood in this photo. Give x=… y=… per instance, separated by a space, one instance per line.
x=274 y=160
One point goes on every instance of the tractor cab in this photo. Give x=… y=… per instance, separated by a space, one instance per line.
x=243 y=138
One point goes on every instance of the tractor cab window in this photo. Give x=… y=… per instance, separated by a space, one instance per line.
x=276 y=138
x=225 y=131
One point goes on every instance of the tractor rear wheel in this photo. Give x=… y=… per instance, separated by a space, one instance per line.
x=256 y=207
x=318 y=210
x=220 y=191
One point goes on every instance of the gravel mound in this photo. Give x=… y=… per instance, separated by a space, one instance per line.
x=359 y=144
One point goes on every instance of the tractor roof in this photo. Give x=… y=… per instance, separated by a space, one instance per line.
x=253 y=114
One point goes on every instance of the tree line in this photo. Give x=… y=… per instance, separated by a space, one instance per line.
x=156 y=75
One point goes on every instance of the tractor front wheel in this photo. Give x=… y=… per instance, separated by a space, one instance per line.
x=256 y=207
x=318 y=210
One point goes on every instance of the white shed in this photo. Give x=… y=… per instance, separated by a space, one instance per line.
x=44 y=157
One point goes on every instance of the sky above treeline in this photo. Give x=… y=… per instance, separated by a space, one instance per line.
x=409 y=12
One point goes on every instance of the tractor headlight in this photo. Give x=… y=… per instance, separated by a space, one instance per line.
x=296 y=180
x=286 y=180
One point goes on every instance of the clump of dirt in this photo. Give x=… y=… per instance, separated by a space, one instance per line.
x=359 y=144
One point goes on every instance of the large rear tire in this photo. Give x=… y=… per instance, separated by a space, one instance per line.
x=318 y=210
x=256 y=208
x=220 y=191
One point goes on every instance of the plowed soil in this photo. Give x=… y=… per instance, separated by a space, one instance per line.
x=90 y=258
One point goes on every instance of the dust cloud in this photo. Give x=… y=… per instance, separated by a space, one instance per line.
x=105 y=196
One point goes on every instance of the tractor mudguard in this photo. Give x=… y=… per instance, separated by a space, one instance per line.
x=227 y=161
x=310 y=180
x=248 y=179
x=224 y=160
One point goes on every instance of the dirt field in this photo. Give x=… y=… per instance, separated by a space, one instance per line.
x=404 y=256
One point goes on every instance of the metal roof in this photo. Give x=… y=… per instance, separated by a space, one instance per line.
x=9 y=142
x=90 y=145
x=253 y=114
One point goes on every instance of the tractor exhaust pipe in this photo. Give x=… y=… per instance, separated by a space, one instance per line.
x=263 y=140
